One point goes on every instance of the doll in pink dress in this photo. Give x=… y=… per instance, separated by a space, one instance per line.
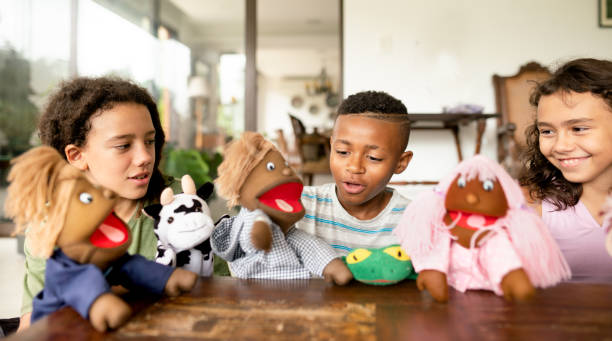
x=474 y=231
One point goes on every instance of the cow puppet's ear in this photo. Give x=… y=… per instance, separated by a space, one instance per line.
x=206 y=190
x=153 y=211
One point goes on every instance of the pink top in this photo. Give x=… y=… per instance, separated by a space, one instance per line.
x=482 y=267
x=582 y=242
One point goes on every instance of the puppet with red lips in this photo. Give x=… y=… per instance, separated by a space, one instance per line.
x=64 y=210
x=475 y=232
x=262 y=241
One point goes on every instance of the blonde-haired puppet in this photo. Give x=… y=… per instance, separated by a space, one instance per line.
x=62 y=208
x=262 y=241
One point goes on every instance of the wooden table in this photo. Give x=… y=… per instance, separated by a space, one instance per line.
x=229 y=308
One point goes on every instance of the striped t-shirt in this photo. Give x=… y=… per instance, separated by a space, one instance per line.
x=328 y=220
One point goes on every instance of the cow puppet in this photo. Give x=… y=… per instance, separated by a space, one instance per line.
x=183 y=226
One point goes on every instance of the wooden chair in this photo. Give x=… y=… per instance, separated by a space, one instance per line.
x=312 y=149
x=516 y=113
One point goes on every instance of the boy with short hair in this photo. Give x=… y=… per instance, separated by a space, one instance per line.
x=368 y=146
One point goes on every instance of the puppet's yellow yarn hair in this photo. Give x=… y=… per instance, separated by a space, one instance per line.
x=38 y=197
x=239 y=159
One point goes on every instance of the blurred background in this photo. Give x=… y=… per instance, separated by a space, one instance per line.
x=191 y=56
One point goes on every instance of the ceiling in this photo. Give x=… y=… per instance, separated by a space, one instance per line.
x=295 y=37
x=297 y=16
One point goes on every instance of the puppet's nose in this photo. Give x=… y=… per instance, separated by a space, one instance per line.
x=287 y=171
x=471 y=198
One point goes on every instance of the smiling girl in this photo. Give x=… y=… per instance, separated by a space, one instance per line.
x=110 y=129
x=568 y=162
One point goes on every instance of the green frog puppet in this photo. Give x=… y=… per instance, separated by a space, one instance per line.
x=384 y=266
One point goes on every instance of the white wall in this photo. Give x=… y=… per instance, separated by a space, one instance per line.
x=274 y=106
x=440 y=52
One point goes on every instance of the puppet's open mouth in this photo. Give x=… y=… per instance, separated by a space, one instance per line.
x=111 y=233
x=284 y=197
x=472 y=221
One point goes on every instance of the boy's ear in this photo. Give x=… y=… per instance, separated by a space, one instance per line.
x=403 y=162
x=75 y=157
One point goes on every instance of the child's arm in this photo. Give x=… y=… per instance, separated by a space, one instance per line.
x=318 y=257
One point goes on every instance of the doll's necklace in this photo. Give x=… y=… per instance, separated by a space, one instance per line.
x=473 y=221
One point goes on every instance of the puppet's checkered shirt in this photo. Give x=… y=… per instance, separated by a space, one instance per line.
x=294 y=255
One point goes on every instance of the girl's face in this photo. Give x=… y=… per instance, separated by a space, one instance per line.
x=119 y=153
x=576 y=136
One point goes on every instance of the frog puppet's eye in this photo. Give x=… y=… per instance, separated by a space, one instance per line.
x=357 y=256
x=270 y=166
x=397 y=253
x=461 y=182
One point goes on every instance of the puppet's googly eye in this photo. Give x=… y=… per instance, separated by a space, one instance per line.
x=358 y=255
x=397 y=253
x=170 y=220
x=461 y=182
x=286 y=164
x=487 y=185
x=270 y=166
x=85 y=198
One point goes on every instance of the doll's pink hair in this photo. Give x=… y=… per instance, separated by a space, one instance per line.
x=422 y=225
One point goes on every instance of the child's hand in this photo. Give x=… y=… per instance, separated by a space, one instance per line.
x=337 y=272
x=261 y=236
x=435 y=282
x=108 y=312
x=180 y=281
x=516 y=286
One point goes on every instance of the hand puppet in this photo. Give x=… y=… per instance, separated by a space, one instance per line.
x=607 y=222
x=183 y=226
x=474 y=231
x=262 y=241
x=384 y=266
x=63 y=209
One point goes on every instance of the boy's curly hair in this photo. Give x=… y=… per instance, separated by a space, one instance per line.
x=66 y=119
x=542 y=178
x=379 y=105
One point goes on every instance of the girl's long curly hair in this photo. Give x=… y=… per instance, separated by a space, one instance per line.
x=542 y=179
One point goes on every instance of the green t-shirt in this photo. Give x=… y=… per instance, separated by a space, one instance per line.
x=144 y=243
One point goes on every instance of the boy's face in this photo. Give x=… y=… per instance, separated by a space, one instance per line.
x=365 y=153
x=119 y=152
x=576 y=136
